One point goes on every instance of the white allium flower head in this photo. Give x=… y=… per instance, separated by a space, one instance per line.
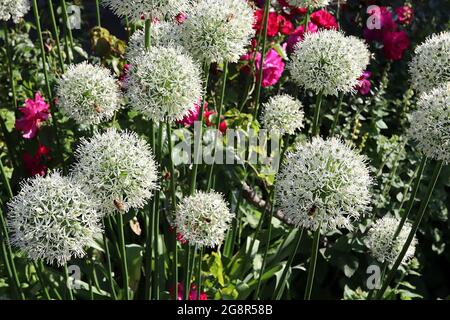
x=136 y=10
x=88 y=94
x=13 y=9
x=203 y=218
x=217 y=31
x=381 y=243
x=328 y=61
x=430 y=66
x=164 y=83
x=162 y=34
x=282 y=114
x=323 y=181
x=117 y=168
x=430 y=123
x=313 y=4
x=52 y=219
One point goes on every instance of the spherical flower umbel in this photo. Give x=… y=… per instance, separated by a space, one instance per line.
x=136 y=10
x=164 y=84
x=313 y=4
x=282 y=114
x=203 y=218
x=430 y=123
x=323 y=181
x=162 y=34
x=88 y=94
x=117 y=168
x=52 y=219
x=217 y=31
x=13 y=9
x=430 y=66
x=329 y=62
x=381 y=243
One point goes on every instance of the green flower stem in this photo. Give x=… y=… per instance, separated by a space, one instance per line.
x=41 y=280
x=307 y=18
x=10 y=66
x=279 y=290
x=68 y=286
x=412 y=199
x=156 y=214
x=47 y=81
x=149 y=224
x=420 y=215
x=97 y=11
x=56 y=34
x=336 y=116
x=230 y=239
x=312 y=263
x=148 y=38
x=188 y=263
x=316 y=120
x=210 y=183
x=193 y=183
x=124 y=257
x=199 y=273
x=66 y=22
x=263 y=56
x=109 y=268
x=174 y=205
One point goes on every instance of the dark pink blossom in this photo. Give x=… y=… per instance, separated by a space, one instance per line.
x=323 y=19
x=33 y=114
x=298 y=35
x=395 y=44
x=192 y=293
x=364 y=85
x=34 y=165
x=405 y=14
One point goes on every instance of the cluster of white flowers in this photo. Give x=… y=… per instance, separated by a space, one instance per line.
x=313 y=4
x=430 y=123
x=88 y=94
x=118 y=169
x=162 y=34
x=13 y=9
x=381 y=243
x=282 y=114
x=329 y=62
x=136 y=10
x=203 y=218
x=323 y=181
x=218 y=30
x=165 y=84
x=430 y=66
x=52 y=219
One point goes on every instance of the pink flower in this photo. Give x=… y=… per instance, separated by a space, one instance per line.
x=364 y=85
x=192 y=293
x=395 y=44
x=33 y=113
x=273 y=67
x=192 y=115
x=405 y=14
x=34 y=164
x=298 y=35
x=323 y=19
x=386 y=23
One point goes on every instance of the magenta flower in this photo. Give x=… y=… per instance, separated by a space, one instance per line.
x=299 y=34
x=192 y=115
x=364 y=85
x=273 y=67
x=192 y=293
x=405 y=14
x=33 y=114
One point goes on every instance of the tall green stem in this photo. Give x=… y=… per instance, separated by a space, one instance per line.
x=336 y=116
x=56 y=34
x=97 y=11
x=316 y=120
x=124 y=257
x=66 y=22
x=199 y=273
x=312 y=263
x=420 y=215
x=109 y=267
x=10 y=66
x=69 y=293
x=263 y=56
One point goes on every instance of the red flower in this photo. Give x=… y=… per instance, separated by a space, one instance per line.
x=324 y=19
x=405 y=14
x=33 y=113
x=395 y=44
x=286 y=27
x=272 y=25
x=34 y=164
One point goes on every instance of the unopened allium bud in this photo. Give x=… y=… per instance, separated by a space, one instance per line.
x=430 y=123
x=88 y=94
x=282 y=114
x=13 y=9
x=323 y=181
x=330 y=62
x=430 y=66
x=117 y=168
x=52 y=219
x=381 y=243
x=217 y=31
x=203 y=219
